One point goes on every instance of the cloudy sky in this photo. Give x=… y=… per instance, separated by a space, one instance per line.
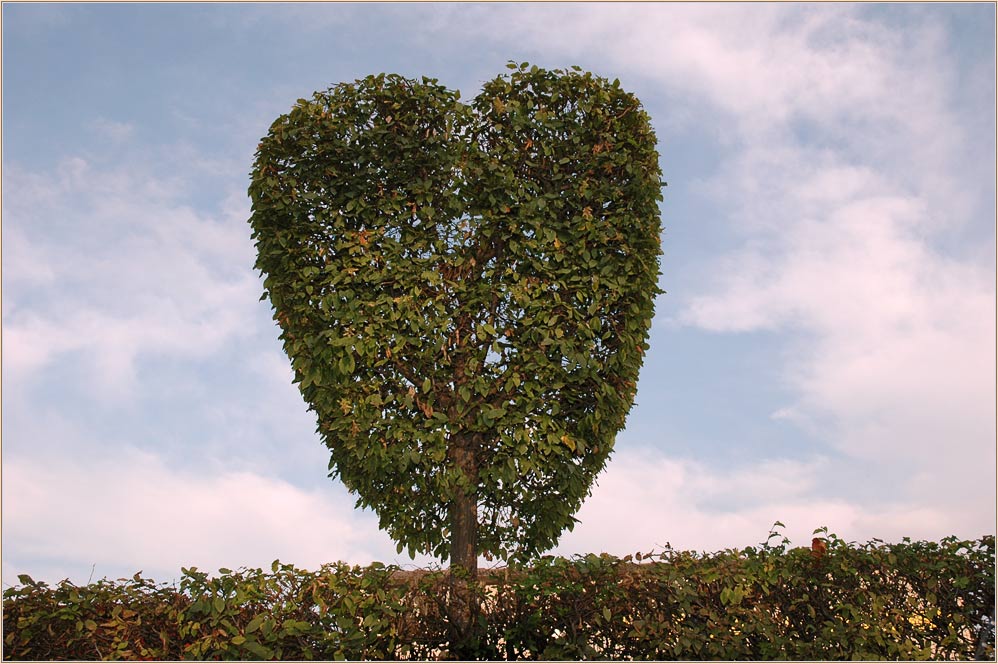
x=824 y=356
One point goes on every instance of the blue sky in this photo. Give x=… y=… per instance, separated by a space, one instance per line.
x=824 y=355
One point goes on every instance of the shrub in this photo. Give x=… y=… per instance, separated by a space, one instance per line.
x=912 y=600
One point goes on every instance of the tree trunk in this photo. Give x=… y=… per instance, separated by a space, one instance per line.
x=464 y=636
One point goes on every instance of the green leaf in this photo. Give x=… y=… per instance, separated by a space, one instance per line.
x=259 y=650
x=255 y=623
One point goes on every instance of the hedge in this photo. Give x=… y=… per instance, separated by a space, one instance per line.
x=910 y=600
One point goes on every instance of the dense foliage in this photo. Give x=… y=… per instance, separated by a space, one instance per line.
x=465 y=292
x=912 y=600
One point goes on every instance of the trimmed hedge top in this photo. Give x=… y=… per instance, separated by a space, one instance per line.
x=837 y=600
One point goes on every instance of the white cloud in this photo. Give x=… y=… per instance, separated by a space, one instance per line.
x=120 y=267
x=899 y=352
x=754 y=62
x=895 y=358
x=127 y=510
x=23 y=261
x=645 y=500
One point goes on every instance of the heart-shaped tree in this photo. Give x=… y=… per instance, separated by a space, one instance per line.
x=465 y=292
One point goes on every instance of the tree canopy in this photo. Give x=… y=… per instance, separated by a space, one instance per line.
x=465 y=291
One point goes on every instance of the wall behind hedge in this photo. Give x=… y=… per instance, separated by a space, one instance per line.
x=913 y=600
